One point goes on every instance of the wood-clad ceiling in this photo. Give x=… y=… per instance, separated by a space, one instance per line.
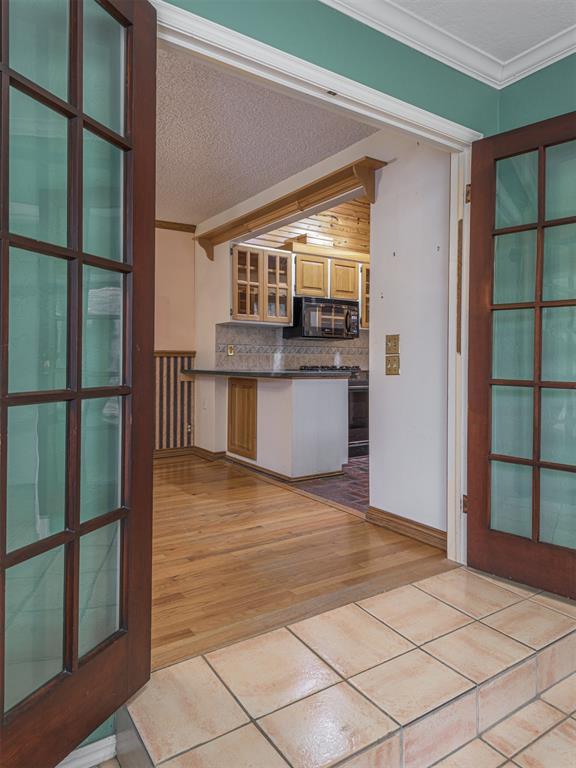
x=345 y=226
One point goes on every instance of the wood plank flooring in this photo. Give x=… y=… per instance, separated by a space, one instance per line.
x=235 y=555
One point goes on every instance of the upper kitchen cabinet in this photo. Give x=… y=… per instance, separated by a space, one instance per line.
x=312 y=275
x=344 y=283
x=247 y=283
x=365 y=307
x=277 y=306
x=261 y=285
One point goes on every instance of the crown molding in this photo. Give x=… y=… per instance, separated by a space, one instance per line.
x=423 y=36
x=263 y=61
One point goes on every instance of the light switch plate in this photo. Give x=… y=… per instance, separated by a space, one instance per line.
x=393 y=344
x=392 y=365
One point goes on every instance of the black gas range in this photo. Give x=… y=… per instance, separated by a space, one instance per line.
x=358 y=405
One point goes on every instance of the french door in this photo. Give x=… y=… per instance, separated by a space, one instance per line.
x=76 y=370
x=522 y=377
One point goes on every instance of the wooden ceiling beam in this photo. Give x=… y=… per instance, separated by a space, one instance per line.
x=175 y=226
x=356 y=176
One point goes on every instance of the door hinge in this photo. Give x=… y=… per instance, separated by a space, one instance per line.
x=465 y=504
x=468 y=196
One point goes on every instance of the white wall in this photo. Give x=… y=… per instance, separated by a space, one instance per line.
x=212 y=306
x=409 y=296
x=174 y=291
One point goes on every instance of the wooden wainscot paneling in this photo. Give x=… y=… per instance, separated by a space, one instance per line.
x=242 y=417
x=344 y=282
x=356 y=176
x=411 y=528
x=311 y=275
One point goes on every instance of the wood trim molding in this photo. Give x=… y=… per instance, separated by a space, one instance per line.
x=311 y=249
x=175 y=226
x=206 y=454
x=174 y=353
x=278 y=475
x=419 y=531
x=356 y=176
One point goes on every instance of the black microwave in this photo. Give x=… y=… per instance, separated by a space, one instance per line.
x=324 y=319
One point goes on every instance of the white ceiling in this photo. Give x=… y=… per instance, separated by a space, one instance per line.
x=497 y=41
x=223 y=138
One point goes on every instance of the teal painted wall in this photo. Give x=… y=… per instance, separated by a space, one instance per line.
x=546 y=93
x=319 y=34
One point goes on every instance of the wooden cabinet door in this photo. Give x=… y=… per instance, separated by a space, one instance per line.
x=242 y=419
x=365 y=310
x=343 y=280
x=277 y=288
x=311 y=276
x=246 y=283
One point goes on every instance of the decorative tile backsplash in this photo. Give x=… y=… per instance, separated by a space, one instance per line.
x=264 y=348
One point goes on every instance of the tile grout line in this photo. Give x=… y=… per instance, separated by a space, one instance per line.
x=533 y=741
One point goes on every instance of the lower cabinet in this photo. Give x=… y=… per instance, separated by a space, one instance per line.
x=242 y=418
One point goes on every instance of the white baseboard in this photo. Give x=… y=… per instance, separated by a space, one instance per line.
x=91 y=755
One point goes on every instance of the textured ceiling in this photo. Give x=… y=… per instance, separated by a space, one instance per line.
x=222 y=138
x=501 y=28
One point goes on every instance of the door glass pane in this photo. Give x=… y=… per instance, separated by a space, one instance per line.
x=36 y=480
x=34 y=632
x=39 y=42
x=513 y=344
x=271 y=303
x=283 y=302
x=558 y=508
x=254 y=295
x=104 y=71
x=559 y=344
x=38 y=322
x=561 y=181
x=99 y=586
x=559 y=426
x=514 y=267
x=517 y=190
x=38 y=160
x=102 y=197
x=511 y=498
x=102 y=327
x=512 y=417
x=559 y=263
x=101 y=455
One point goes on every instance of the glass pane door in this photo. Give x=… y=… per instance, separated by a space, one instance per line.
x=523 y=356
x=75 y=266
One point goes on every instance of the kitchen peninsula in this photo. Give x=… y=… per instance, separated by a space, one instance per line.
x=289 y=423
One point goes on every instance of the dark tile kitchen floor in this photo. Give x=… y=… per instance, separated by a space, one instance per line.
x=350 y=489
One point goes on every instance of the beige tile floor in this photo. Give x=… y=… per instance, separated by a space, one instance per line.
x=456 y=671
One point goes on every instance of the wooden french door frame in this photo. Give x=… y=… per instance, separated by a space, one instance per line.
x=45 y=727
x=546 y=566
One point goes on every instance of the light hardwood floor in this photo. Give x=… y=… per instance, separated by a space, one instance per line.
x=235 y=555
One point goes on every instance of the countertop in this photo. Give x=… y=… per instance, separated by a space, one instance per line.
x=284 y=374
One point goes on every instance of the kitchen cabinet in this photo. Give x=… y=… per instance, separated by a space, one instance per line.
x=343 y=280
x=242 y=417
x=277 y=304
x=261 y=285
x=365 y=307
x=311 y=276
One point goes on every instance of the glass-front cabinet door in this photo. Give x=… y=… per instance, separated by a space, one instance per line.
x=277 y=287
x=76 y=379
x=522 y=436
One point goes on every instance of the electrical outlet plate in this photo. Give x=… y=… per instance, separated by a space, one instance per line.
x=392 y=365
x=393 y=344
x=230 y=351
